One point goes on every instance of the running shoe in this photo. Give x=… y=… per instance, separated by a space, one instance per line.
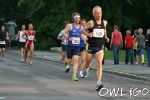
x=75 y=78
x=99 y=86
x=30 y=62
x=86 y=73
x=67 y=68
x=142 y=63
x=21 y=60
x=81 y=74
x=2 y=59
x=136 y=63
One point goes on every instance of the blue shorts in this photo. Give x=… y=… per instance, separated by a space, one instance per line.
x=140 y=51
x=93 y=50
x=72 y=50
x=82 y=49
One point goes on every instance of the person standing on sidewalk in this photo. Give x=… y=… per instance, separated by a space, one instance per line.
x=3 y=38
x=134 y=45
x=148 y=46
x=140 y=42
x=30 y=42
x=129 y=47
x=22 y=41
x=97 y=29
x=82 y=50
x=116 y=43
x=63 y=43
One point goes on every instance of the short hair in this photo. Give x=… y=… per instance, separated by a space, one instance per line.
x=128 y=32
x=96 y=7
x=140 y=29
x=74 y=14
x=116 y=27
x=135 y=32
x=148 y=31
x=30 y=24
x=66 y=22
x=82 y=20
x=2 y=27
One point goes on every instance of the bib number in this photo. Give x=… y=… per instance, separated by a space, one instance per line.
x=98 y=33
x=75 y=40
x=31 y=37
x=2 y=42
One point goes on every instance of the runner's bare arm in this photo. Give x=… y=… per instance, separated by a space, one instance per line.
x=67 y=29
x=18 y=37
x=105 y=25
x=60 y=37
x=111 y=40
x=88 y=26
x=34 y=36
x=83 y=37
x=25 y=33
x=7 y=36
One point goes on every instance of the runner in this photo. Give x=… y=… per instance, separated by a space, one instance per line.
x=22 y=41
x=82 y=50
x=30 y=42
x=96 y=40
x=73 y=34
x=3 y=38
x=148 y=46
x=63 y=43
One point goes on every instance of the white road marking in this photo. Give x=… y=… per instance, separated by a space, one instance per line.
x=2 y=97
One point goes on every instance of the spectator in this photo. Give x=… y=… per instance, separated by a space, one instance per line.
x=134 y=45
x=129 y=47
x=140 y=42
x=148 y=46
x=116 y=43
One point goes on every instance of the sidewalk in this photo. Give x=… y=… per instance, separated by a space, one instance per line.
x=132 y=71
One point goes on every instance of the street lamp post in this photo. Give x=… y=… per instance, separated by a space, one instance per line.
x=11 y=30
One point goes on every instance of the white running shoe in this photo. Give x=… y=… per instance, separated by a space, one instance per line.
x=81 y=74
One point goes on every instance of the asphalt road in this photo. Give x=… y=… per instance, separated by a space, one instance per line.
x=45 y=80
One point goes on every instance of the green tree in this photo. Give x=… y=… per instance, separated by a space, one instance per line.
x=48 y=16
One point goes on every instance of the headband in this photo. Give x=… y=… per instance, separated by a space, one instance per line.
x=76 y=16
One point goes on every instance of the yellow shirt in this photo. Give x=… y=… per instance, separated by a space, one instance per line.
x=134 y=44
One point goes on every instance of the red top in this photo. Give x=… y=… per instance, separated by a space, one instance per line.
x=116 y=38
x=129 y=41
x=31 y=33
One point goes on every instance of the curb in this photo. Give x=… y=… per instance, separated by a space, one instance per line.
x=123 y=74
x=128 y=75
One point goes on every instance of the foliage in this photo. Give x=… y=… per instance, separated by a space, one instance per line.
x=48 y=16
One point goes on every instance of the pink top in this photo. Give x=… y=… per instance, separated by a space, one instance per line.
x=116 y=38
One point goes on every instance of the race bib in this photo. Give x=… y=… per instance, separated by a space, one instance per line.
x=75 y=40
x=98 y=33
x=2 y=42
x=31 y=38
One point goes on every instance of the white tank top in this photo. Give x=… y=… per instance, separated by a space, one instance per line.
x=21 y=39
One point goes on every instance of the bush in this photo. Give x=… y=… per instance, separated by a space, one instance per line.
x=45 y=44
